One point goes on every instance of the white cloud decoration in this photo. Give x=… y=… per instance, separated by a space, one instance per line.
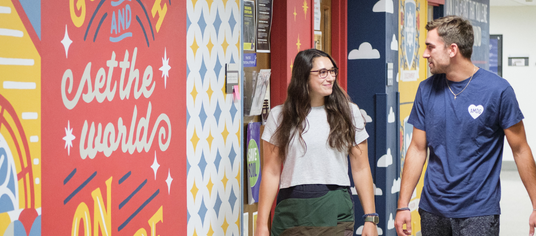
x=359 y=230
x=396 y=186
x=386 y=160
x=365 y=51
x=394 y=43
x=384 y=6
x=391 y=222
x=368 y=119
x=391 y=116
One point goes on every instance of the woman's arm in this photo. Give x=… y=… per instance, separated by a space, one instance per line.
x=363 y=183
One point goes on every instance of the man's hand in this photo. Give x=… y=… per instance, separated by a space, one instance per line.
x=532 y=223
x=404 y=218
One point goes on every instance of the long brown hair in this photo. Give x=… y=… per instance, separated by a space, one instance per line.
x=298 y=105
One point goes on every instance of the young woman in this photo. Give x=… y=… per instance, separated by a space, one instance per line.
x=306 y=144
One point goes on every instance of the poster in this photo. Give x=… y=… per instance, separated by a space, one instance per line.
x=249 y=26
x=410 y=32
x=253 y=161
x=264 y=25
x=477 y=12
x=114 y=82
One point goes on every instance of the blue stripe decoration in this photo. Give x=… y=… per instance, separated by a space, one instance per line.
x=79 y=188
x=138 y=210
x=117 y=3
x=93 y=17
x=132 y=194
x=143 y=28
x=98 y=27
x=125 y=177
x=121 y=37
x=66 y=180
x=147 y=16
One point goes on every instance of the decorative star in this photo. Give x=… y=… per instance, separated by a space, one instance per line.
x=168 y=181
x=305 y=7
x=66 y=41
x=69 y=137
x=165 y=67
x=155 y=165
x=298 y=43
x=295 y=14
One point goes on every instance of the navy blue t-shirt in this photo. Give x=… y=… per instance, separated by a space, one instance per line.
x=465 y=137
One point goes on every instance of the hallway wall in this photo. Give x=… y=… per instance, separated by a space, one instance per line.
x=213 y=119
x=516 y=24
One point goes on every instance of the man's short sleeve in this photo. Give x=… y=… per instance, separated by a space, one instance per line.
x=416 y=118
x=510 y=114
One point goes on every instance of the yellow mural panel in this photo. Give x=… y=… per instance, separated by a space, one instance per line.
x=20 y=118
x=412 y=70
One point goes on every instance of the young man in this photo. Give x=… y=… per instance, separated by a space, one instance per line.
x=461 y=115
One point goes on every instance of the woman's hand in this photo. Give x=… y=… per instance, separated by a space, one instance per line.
x=262 y=230
x=370 y=229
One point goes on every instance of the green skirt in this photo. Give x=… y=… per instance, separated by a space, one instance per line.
x=314 y=209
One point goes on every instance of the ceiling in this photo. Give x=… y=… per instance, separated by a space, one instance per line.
x=513 y=3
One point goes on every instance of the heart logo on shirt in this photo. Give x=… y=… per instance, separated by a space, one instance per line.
x=476 y=111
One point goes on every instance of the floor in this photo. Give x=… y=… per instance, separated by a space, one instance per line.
x=515 y=204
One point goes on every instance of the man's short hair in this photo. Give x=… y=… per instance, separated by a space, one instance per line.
x=454 y=29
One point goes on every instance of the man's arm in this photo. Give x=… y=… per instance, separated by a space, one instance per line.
x=525 y=164
x=413 y=165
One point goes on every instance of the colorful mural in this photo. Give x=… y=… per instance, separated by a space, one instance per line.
x=214 y=151
x=20 y=123
x=112 y=99
x=413 y=70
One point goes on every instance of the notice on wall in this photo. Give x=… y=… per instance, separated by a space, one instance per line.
x=317 y=14
x=264 y=25
x=249 y=26
x=477 y=12
x=253 y=161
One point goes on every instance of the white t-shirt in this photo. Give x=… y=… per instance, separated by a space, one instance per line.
x=318 y=163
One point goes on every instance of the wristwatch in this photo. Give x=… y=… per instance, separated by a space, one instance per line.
x=373 y=217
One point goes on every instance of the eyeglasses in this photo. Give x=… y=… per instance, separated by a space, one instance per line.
x=323 y=73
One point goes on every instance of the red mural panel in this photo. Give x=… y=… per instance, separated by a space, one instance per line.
x=292 y=31
x=113 y=117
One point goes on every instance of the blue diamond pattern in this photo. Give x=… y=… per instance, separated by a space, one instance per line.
x=217 y=23
x=232 y=22
x=202 y=210
x=187 y=70
x=217 y=67
x=233 y=112
x=202 y=24
x=188 y=166
x=202 y=164
x=187 y=116
x=232 y=198
x=232 y=59
x=217 y=204
x=217 y=112
x=187 y=216
x=232 y=155
x=203 y=71
x=203 y=115
x=188 y=23
x=217 y=159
